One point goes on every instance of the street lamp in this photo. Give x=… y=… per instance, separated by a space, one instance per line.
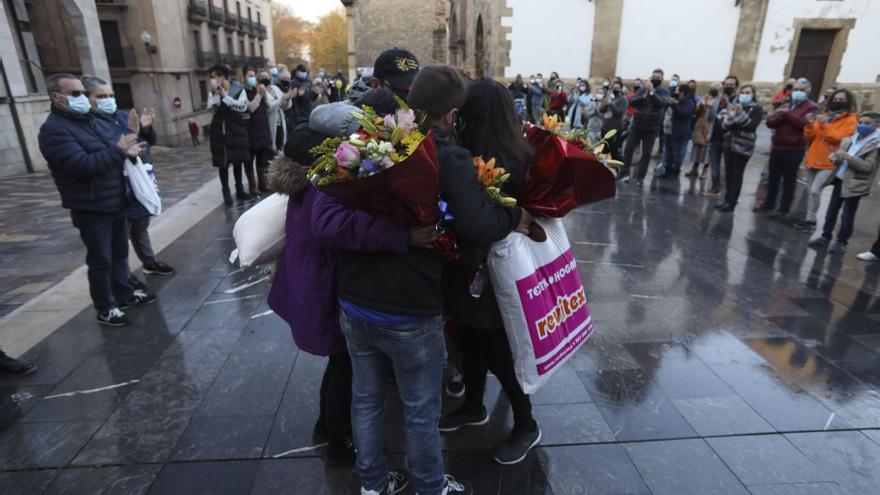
x=146 y=39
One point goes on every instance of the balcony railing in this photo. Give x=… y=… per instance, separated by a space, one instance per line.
x=217 y=16
x=112 y=4
x=197 y=10
x=262 y=31
x=244 y=25
x=231 y=20
x=205 y=60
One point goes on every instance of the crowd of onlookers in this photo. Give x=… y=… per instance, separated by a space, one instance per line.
x=834 y=144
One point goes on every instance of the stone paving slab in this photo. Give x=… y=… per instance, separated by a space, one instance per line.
x=728 y=358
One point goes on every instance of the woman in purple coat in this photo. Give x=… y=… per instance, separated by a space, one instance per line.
x=304 y=291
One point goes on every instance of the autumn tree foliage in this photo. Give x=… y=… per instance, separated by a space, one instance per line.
x=321 y=44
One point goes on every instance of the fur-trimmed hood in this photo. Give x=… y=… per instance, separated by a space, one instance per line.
x=287 y=176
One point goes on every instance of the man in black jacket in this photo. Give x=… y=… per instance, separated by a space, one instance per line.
x=88 y=173
x=650 y=105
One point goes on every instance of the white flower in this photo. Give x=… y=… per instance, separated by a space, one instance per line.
x=386 y=148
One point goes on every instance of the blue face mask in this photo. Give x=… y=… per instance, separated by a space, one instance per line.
x=252 y=81
x=745 y=99
x=79 y=104
x=107 y=105
x=798 y=96
x=673 y=83
x=864 y=129
x=273 y=71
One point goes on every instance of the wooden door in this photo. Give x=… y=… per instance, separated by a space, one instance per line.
x=811 y=57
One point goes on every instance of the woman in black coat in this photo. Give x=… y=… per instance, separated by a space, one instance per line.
x=229 y=133
x=489 y=127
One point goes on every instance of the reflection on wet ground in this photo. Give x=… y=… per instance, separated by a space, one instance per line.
x=728 y=358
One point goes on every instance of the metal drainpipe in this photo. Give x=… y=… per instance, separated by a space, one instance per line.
x=22 y=143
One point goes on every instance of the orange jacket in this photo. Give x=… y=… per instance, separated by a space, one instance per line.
x=825 y=139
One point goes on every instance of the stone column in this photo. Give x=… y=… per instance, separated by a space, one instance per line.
x=752 y=15
x=606 y=38
x=352 y=40
x=88 y=38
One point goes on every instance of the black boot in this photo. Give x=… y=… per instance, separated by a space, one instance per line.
x=240 y=194
x=227 y=198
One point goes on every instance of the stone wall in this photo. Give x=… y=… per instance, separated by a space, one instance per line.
x=416 y=25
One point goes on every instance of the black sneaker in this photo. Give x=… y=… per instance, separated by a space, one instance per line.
x=227 y=197
x=455 y=386
x=14 y=367
x=517 y=445
x=319 y=433
x=819 y=242
x=158 y=268
x=242 y=196
x=113 y=318
x=720 y=205
x=136 y=284
x=341 y=452
x=461 y=418
x=764 y=207
x=727 y=208
x=140 y=298
x=397 y=483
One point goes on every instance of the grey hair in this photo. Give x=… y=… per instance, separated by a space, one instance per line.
x=91 y=82
x=805 y=81
x=53 y=82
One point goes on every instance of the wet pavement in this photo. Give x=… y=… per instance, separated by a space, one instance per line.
x=728 y=358
x=38 y=244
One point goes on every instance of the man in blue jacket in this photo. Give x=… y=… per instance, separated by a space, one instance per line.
x=88 y=173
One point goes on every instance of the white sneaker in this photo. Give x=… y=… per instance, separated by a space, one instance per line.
x=397 y=483
x=867 y=256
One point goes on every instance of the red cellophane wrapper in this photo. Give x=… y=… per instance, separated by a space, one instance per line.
x=407 y=193
x=561 y=176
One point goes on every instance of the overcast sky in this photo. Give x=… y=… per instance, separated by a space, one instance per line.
x=311 y=10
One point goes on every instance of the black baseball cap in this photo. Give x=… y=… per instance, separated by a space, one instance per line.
x=397 y=66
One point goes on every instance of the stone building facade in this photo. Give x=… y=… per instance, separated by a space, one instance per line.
x=105 y=38
x=376 y=25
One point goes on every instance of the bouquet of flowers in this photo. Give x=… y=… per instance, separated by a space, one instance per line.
x=566 y=171
x=492 y=178
x=581 y=139
x=388 y=168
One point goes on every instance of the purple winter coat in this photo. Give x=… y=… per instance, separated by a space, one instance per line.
x=304 y=290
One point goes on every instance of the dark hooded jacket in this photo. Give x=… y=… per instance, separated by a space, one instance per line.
x=229 y=134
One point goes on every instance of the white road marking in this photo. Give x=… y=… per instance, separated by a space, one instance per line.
x=218 y=301
x=628 y=265
x=92 y=391
x=265 y=313
x=828 y=423
x=245 y=286
x=584 y=243
x=297 y=451
x=645 y=297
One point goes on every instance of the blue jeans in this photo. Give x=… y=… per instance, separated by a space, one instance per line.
x=417 y=353
x=716 y=151
x=674 y=149
x=847 y=219
x=106 y=239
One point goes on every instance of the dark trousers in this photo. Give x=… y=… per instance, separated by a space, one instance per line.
x=237 y=169
x=876 y=247
x=195 y=140
x=335 y=399
x=106 y=241
x=674 y=149
x=784 y=165
x=261 y=158
x=488 y=350
x=735 y=168
x=646 y=140
x=140 y=239
x=847 y=220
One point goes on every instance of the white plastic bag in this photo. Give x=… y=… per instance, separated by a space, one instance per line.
x=542 y=301
x=259 y=232
x=143 y=184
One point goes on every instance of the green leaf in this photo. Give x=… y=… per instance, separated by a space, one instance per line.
x=610 y=134
x=401 y=102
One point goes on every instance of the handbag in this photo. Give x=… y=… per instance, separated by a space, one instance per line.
x=542 y=301
x=142 y=180
x=259 y=232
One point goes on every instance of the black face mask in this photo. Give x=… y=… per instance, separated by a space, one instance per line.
x=284 y=85
x=789 y=87
x=836 y=106
x=637 y=87
x=616 y=92
x=713 y=92
x=728 y=91
x=265 y=82
x=656 y=82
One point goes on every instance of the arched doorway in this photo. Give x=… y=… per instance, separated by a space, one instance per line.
x=479 y=50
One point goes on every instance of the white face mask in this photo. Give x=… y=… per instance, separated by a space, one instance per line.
x=106 y=105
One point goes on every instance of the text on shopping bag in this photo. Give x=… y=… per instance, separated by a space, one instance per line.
x=556 y=309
